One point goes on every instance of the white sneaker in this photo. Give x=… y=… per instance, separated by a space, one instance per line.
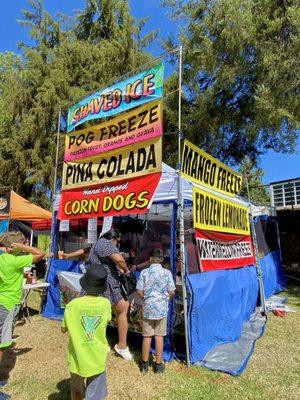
x=124 y=353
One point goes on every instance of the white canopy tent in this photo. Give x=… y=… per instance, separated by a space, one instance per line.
x=167 y=187
x=167 y=191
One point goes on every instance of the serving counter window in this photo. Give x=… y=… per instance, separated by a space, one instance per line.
x=140 y=236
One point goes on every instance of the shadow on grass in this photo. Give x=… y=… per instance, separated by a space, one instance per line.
x=29 y=312
x=63 y=387
x=64 y=391
x=294 y=290
x=9 y=361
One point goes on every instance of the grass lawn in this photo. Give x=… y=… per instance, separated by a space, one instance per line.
x=37 y=370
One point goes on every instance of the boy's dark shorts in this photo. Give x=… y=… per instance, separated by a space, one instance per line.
x=154 y=327
x=92 y=388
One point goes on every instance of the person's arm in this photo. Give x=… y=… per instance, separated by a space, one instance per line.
x=125 y=255
x=141 y=266
x=147 y=263
x=171 y=285
x=37 y=254
x=63 y=326
x=109 y=318
x=118 y=259
x=48 y=255
x=76 y=253
x=140 y=286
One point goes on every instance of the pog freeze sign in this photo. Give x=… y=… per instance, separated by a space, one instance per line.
x=139 y=125
x=137 y=90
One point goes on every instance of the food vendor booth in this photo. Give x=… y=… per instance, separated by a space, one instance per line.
x=220 y=302
x=113 y=176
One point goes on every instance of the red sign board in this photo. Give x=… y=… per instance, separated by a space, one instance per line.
x=223 y=250
x=130 y=196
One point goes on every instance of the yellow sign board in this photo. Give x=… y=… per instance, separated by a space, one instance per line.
x=140 y=159
x=213 y=213
x=201 y=168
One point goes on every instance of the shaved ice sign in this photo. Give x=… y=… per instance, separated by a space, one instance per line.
x=122 y=96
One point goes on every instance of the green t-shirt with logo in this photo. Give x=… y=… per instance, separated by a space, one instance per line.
x=86 y=319
x=11 y=278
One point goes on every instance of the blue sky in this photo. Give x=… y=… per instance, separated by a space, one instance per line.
x=276 y=166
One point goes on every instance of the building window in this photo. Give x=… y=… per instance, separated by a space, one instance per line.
x=286 y=194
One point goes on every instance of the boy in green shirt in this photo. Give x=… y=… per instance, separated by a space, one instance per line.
x=86 y=320
x=11 y=280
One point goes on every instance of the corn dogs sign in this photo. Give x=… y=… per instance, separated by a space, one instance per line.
x=139 y=125
x=131 y=196
x=201 y=168
x=213 y=213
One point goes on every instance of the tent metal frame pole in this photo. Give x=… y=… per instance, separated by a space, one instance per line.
x=257 y=264
x=31 y=237
x=181 y=215
x=57 y=152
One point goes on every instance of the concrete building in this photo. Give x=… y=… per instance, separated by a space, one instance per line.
x=285 y=194
x=285 y=197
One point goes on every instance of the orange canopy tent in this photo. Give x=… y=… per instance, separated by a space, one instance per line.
x=21 y=209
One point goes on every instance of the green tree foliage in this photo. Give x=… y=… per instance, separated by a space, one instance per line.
x=66 y=60
x=241 y=75
x=257 y=190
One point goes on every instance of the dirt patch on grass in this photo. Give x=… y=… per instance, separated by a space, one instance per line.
x=39 y=351
x=38 y=363
x=37 y=368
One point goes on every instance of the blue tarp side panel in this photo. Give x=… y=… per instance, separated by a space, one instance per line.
x=4 y=226
x=220 y=302
x=52 y=307
x=273 y=273
x=187 y=203
x=266 y=228
x=233 y=357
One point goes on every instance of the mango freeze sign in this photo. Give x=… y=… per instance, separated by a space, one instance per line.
x=213 y=213
x=201 y=168
x=137 y=90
